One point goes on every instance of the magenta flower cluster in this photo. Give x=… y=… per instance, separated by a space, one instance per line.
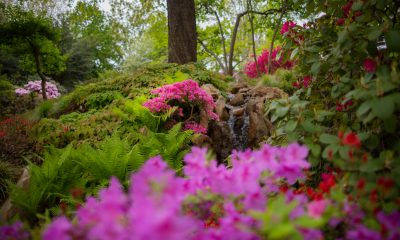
x=197 y=128
x=305 y=81
x=36 y=86
x=15 y=232
x=21 y=91
x=187 y=92
x=161 y=205
x=155 y=205
x=262 y=62
x=287 y=27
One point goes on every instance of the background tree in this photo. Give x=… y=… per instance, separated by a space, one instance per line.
x=222 y=26
x=182 y=34
x=33 y=38
x=151 y=45
x=81 y=51
x=90 y=22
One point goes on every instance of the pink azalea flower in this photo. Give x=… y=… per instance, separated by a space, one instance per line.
x=316 y=208
x=286 y=26
x=60 y=229
x=363 y=233
x=369 y=65
x=340 y=107
x=306 y=80
x=357 y=15
x=391 y=222
x=347 y=9
x=341 y=21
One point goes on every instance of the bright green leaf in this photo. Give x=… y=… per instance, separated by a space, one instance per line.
x=392 y=40
x=291 y=126
x=383 y=107
x=375 y=33
x=293 y=54
x=328 y=139
x=371 y=166
x=316 y=67
x=364 y=108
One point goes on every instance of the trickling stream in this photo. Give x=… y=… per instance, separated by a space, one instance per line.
x=239 y=126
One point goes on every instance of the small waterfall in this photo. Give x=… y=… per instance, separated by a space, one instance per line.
x=231 y=96
x=239 y=126
x=231 y=124
x=242 y=140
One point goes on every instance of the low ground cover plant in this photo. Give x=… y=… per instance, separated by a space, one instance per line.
x=10 y=172
x=141 y=82
x=15 y=141
x=330 y=171
x=90 y=168
x=282 y=79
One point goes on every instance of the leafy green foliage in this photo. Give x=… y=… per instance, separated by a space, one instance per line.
x=142 y=81
x=282 y=79
x=90 y=22
x=24 y=32
x=7 y=171
x=91 y=168
x=55 y=177
x=124 y=116
x=350 y=117
x=178 y=77
x=45 y=108
x=100 y=100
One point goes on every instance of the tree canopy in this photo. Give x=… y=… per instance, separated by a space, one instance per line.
x=33 y=38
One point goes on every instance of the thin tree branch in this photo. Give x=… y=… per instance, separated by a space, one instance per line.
x=230 y=69
x=234 y=32
x=221 y=32
x=223 y=40
x=213 y=54
x=36 y=55
x=273 y=38
x=252 y=35
x=241 y=60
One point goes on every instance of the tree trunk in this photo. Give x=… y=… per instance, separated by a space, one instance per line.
x=273 y=38
x=254 y=46
x=233 y=40
x=223 y=42
x=39 y=69
x=182 y=34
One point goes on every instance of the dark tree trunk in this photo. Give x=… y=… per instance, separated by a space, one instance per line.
x=182 y=34
x=36 y=54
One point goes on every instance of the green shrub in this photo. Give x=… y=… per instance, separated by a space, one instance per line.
x=141 y=82
x=45 y=107
x=90 y=168
x=9 y=172
x=282 y=79
x=100 y=100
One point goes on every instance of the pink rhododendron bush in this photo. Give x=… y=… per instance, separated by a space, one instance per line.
x=251 y=200
x=262 y=62
x=184 y=100
x=35 y=86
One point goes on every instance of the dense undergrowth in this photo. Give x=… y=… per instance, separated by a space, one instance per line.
x=111 y=135
x=341 y=183
x=139 y=82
